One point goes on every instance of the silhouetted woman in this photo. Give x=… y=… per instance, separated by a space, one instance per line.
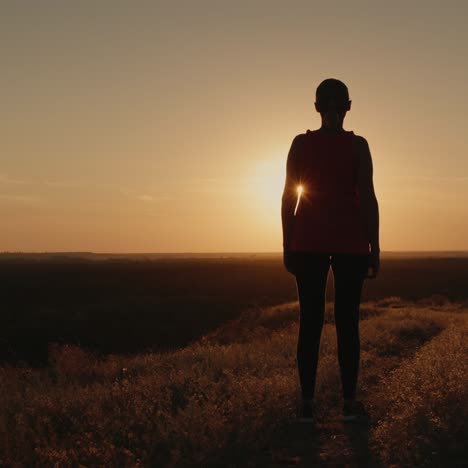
x=330 y=216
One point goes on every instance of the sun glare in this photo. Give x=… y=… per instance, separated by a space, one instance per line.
x=299 y=192
x=266 y=187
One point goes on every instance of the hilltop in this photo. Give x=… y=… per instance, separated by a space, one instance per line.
x=230 y=398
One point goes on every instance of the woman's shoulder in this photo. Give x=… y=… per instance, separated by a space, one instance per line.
x=363 y=151
x=300 y=139
x=361 y=141
x=302 y=136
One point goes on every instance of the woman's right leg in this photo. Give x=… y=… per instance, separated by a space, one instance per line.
x=311 y=281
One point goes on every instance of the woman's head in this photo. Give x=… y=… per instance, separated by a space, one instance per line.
x=332 y=102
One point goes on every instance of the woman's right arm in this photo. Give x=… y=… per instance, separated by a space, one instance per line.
x=369 y=204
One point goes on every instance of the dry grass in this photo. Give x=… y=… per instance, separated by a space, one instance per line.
x=423 y=411
x=204 y=402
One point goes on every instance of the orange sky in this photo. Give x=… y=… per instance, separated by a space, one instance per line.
x=165 y=127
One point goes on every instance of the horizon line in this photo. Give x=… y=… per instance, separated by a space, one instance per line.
x=184 y=252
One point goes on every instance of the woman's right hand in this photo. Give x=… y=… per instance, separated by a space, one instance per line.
x=373 y=264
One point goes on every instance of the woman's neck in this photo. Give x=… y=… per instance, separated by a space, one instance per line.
x=331 y=131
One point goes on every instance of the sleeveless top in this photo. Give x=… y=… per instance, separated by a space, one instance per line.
x=328 y=216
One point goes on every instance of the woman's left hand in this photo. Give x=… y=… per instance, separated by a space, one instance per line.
x=287 y=261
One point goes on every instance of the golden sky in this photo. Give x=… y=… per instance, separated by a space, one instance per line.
x=165 y=126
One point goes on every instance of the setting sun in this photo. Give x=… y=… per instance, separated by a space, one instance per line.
x=266 y=186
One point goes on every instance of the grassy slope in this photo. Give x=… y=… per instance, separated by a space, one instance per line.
x=228 y=396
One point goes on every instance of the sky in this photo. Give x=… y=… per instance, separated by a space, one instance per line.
x=165 y=126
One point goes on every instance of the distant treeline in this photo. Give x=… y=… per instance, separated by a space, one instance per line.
x=25 y=257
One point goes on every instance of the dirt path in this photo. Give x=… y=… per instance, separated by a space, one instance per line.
x=326 y=443
x=329 y=441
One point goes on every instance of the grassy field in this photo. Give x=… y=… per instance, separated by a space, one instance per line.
x=230 y=397
x=121 y=305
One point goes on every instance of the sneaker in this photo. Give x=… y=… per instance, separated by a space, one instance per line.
x=354 y=410
x=308 y=412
